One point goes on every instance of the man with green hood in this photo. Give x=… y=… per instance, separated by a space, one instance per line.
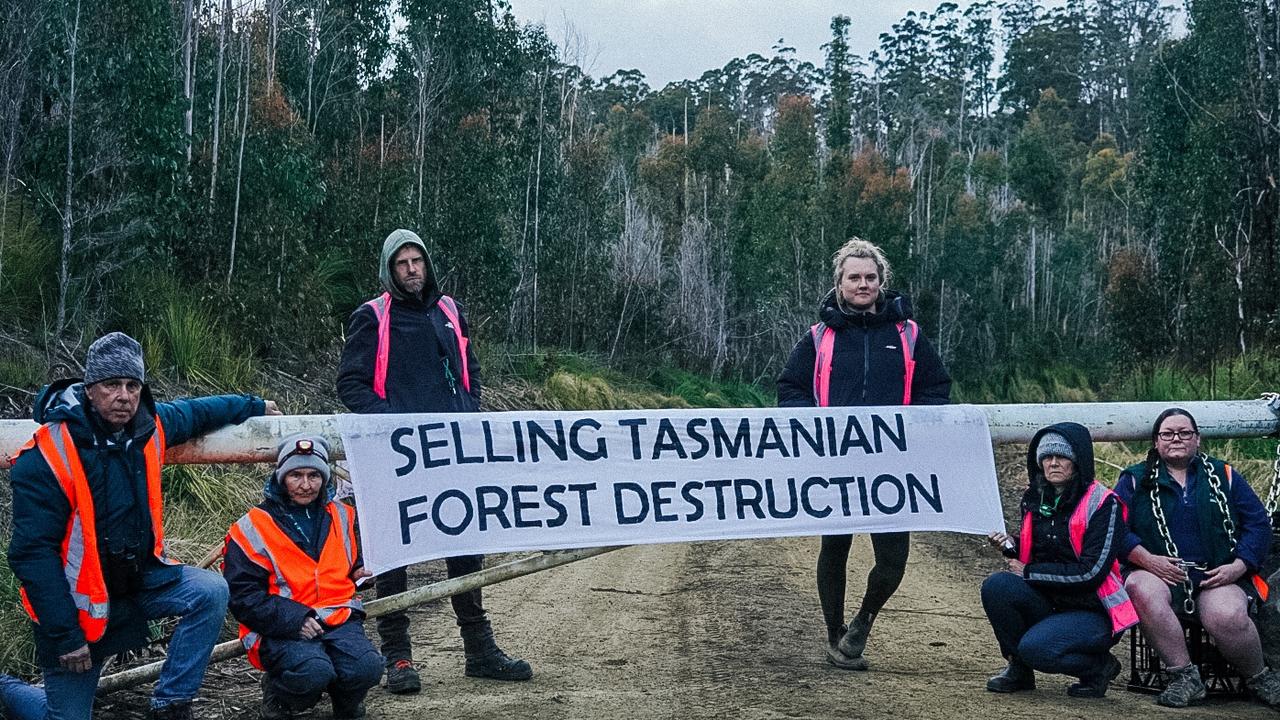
x=408 y=351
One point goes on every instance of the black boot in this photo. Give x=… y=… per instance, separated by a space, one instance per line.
x=1017 y=676
x=347 y=708
x=1095 y=685
x=486 y=660
x=272 y=708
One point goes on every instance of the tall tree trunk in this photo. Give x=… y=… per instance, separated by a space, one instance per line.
x=188 y=74
x=64 y=266
x=537 y=215
x=217 y=100
x=244 y=132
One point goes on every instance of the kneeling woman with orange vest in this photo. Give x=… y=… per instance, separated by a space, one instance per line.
x=1062 y=604
x=292 y=564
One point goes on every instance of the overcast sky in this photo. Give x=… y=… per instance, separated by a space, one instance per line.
x=679 y=39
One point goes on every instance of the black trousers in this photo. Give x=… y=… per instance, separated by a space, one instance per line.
x=891 y=551
x=468 y=607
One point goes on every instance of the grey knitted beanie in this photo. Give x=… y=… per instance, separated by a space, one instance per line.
x=1052 y=443
x=302 y=450
x=113 y=356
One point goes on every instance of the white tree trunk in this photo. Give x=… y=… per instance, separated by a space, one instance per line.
x=244 y=132
x=217 y=99
x=64 y=266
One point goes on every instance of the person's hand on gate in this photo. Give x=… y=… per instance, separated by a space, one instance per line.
x=77 y=660
x=271 y=408
x=311 y=629
x=1224 y=574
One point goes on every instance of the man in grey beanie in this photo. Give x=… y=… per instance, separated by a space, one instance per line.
x=409 y=351
x=97 y=459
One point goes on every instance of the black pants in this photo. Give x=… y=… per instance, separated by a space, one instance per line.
x=393 y=629
x=891 y=551
x=341 y=661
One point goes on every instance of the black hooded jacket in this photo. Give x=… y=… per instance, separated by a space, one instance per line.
x=867 y=366
x=1068 y=580
x=424 y=366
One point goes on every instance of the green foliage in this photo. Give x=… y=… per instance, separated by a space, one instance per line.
x=182 y=338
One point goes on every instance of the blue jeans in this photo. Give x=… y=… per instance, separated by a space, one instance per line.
x=341 y=661
x=1070 y=642
x=199 y=597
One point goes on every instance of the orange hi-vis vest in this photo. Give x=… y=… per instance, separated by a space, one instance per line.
x=824 y=345
x=1111 y=592
x=80 y=559
x=382 y=311
x=324 y=585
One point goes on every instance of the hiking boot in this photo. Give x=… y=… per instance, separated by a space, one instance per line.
x=844 y=662
x=497 y=665
x=1266 y=687
x=1016 y=676
x=272 y=708
x=402 y=678
x=172 y=711
x=1185 y=687
x=1095 y=686
x=854 y=641
x=344 y=709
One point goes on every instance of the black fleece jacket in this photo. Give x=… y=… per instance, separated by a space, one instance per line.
x=1070 y=581
x=867 y=367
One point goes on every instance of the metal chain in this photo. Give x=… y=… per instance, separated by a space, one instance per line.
x=1220 y=499
x=1273 y=494
x=1189 y=601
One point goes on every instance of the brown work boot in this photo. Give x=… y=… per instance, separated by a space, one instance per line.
x=1266 y=687
x=1185 y=687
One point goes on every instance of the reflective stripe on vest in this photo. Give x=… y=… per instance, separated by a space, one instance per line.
x=80 y=559
x=323 y=585
x=824 y=343
x=381 y=306
x=1111 y=592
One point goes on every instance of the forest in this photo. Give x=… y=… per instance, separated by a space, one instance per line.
x=1089 y=186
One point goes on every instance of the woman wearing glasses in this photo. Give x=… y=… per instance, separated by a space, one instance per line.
x=1198 y=535
x=865 y=350
x=1062 y=605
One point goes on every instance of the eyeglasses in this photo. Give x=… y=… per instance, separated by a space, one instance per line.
x=1168 y=435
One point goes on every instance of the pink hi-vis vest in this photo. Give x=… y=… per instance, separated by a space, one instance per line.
x=1111 y=592
x=824 y=342
x=382 y=311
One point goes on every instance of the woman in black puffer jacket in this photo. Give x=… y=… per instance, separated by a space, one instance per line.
x=865 y=341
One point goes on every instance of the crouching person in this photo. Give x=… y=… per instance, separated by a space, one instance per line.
x=292 y=564
x=1063 y=605
x=88 y=536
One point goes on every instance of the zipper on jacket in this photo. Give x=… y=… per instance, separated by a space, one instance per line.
x=866 y=362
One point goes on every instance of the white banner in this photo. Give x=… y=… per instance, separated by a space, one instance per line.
x=436 y=485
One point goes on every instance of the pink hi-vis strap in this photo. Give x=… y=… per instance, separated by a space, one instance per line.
x=450 y=309
x=382 y=311
x=824 y=341
x=908 y=331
